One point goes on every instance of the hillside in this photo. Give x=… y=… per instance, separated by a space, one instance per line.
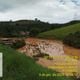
x=27 y=28
x=60 y=33
x=17 y=66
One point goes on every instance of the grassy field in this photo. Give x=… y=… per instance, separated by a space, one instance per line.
x=60 y=33
x=17 y=66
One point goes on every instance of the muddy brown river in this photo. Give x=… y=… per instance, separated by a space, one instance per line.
x=64 y=58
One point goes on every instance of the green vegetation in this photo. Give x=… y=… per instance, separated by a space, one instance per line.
x=70 y=35
x=18 y=44
x=73 y=39
x=27 y=28
x=18 y=66
x=60 y=33
x=24 y=28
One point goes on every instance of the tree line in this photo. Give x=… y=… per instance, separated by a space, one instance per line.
x=33 y=27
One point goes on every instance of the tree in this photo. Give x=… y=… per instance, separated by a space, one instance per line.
x=73 y=39
x=18 y=44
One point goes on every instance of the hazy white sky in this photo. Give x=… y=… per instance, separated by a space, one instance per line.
x=54 y=11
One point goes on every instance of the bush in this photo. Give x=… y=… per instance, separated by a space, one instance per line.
x=18 y=44
x=73 y=39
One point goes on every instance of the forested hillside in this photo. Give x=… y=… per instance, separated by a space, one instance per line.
x=25 y=28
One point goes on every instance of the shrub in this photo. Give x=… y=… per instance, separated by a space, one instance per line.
x=73 y=39
x=18 y=44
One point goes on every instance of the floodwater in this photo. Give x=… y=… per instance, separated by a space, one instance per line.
x=64 y=59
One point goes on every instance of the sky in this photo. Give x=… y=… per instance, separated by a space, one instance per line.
x=53 y=11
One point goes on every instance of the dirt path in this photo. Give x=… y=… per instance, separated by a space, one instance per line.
x=60 y=61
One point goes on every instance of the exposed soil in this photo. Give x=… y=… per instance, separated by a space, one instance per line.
x=61 y=54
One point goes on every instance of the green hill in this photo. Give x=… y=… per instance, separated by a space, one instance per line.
x=26 y=28
x=61 y=32
x=17 y=66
